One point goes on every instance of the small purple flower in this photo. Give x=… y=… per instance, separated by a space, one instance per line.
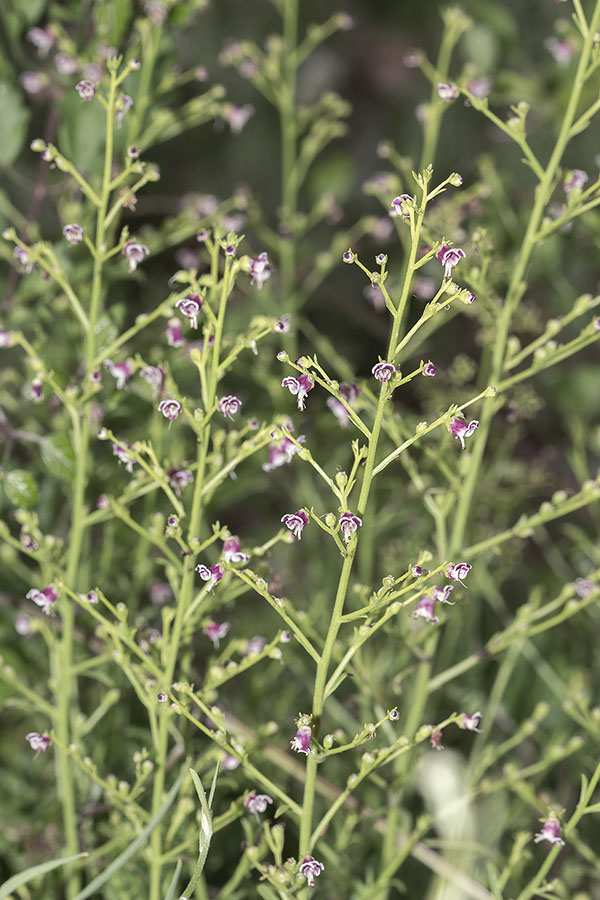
x=441 y=594
x=282 y=453
x=562 y=51
x=36 y=389
x=310 y=868
x=174 y=333
x=584 y=587
x=24 y=263
x=23 y=625
x=429 y=370
x=161 y=697
x=45 y=599
x=65 y=64
x=123 y=455
x=447 y=92
x=43 y=40
x=596 y=325
x=155 y=376
x=102 y=500
x=190 y=307
x=237 y=116
x=86 y=89
x=298 y=387
x=461 y=429
x=255 y=645
x=301 y=743
x=348 y=256
x=381 y=259
x=119 y=371
x=425 y=609
x=134 y=253
x=229 y=405
x=257 y=803
x=283 y=324
x=417 y=571
x=349 y=523
x=449 y=258
x=38 y=742
x=215 y=632
x=470 y=723
x=180 y=478
x=458 y=571
x=232 y=551
x=212 y=574
x=6 y=339
x=123 y=105
x=296 y=522
x=550 y=832
x=170 y=409
x=260 y=270
x=402 y=205
x=480 y=87
x=393 y=715
x=73 y=233
x=350 y=393
x=229 y=763
x=383 y=371
x=575 y=180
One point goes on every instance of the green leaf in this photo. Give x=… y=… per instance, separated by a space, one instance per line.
x=14 y=116
x=205 y=832
x=106 y=332
x=21 y=488
x=133 y=848
x=10 y=886
x=111 y=18
x=32 y=10
x=58 y=457
x=81 y=132
x=174 y=880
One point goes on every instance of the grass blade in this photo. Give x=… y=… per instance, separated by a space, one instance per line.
x=205 y=831
x=22 y=878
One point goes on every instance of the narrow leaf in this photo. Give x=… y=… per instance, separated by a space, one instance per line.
x=204 y=836
x=174 y=881
x=10 y=886
x=133 y=848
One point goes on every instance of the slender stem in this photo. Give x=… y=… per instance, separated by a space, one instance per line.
x=342 y=589
x=515 y=287
x=289 y=181
x=65 y=681
x=186 y=589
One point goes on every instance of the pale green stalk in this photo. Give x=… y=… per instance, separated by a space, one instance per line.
x=65 y=687
x=186 y=589
x=342 y=589
x=289 y=181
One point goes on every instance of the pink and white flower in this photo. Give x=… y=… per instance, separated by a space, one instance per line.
x=38 y=742
x=73 y=233
x=134 y=253
x=282 y=452
x=260 y=270
x=296 y=522
x=301 y=742
x=298 y=387
x=212 y=574
x=470 y=723
x=45 y=599
x=449 y=258
x=550 y=832
x=174 y=333
x=458 y=571
x=462 y=429
x=426 y=609
x=310 y=868
x=229 y=405
x=120 y=371
x=123 y=455
x=257 y=803
x=350 y=393
x=180 y=478
x=349 y=523
x=383 y=371
x=440 y=595
x=402 y=205
x=155 y=376
x=190 y=308
x=232 y=551
x=216 y=631
x=447 y=92
x=86 y=90
x=170 y=409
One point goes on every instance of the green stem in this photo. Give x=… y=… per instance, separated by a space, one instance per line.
x=515 y=291
x=186 y=589
x=342 y=589
x=65 y=682
x=289 y=182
